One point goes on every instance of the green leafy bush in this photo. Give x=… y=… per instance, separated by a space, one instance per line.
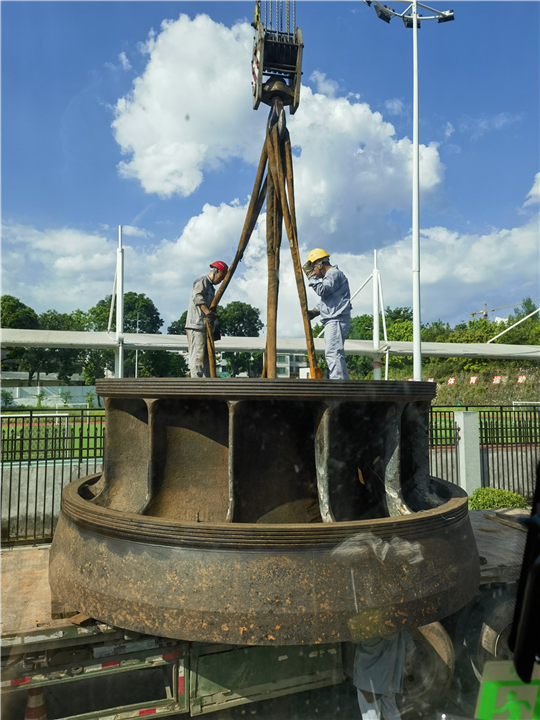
x=65 y=396
x=487 y=498
x=7 y=400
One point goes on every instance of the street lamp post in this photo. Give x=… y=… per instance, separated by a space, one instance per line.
x=411 y=19
x=137 y=351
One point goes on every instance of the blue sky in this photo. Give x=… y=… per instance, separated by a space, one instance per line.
x=111 y=117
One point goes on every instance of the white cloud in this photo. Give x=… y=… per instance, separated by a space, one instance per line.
x=324 y=85
x=70 y=269
x=351 y=164
x=126 y=65
x=533 y=196
x=133 y=231
x=479 y=126
x=457 y=270
x=351 y=171
x=395 y=106
x=448 y=130
x=176 y=125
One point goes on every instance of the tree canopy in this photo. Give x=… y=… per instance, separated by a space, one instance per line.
x=239 y=319
x=17 y=315
x=178 y=327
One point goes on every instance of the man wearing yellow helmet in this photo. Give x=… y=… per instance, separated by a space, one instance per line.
x=334 y=307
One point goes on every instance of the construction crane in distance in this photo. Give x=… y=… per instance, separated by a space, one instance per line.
x=485 y=311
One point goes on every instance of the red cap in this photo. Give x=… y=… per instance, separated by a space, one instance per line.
x=221 y=266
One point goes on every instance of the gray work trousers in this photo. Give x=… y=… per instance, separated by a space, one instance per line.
x=372 y=711
x=335 y=332
x=198 y=353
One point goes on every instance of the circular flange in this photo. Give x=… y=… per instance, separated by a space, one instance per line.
x=259 y=389
x=263 y=584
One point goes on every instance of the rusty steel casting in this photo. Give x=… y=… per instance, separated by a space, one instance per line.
x=250 y=511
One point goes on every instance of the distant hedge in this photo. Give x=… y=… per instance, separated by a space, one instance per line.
x=492 y=498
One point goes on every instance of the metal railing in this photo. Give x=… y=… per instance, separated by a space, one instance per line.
x=443 y=438
x=510 y=447
x=41 y=453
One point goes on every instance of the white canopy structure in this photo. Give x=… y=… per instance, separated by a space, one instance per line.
x=133 y=341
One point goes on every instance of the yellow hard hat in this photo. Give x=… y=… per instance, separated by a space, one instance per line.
x=317 y=254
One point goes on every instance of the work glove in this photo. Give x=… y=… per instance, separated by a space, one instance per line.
x=211 y=319
x=313 y=313
x=216 y=332
x=308 y=268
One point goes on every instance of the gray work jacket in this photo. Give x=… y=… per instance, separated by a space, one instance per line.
x=333 y=289
x=202 y=293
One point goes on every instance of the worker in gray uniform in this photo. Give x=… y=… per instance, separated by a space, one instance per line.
x=199 y=315
x=378 y=674
x=334 y=307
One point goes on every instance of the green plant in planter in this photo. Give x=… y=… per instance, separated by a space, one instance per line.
x=492 y=498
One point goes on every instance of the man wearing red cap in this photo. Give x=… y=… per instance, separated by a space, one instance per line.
x=198 y=315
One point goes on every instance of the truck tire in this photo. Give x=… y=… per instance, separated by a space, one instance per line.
x=429 y=673
x=493 y=637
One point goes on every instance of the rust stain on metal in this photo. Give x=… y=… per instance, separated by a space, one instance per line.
x=187 y=532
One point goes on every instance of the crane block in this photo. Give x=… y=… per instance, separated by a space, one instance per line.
x=276 y=66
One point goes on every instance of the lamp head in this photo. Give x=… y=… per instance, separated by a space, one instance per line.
x=446 y=16
x=408 y=21
x=382 y=13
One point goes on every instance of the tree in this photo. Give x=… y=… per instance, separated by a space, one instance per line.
x=161 y=363
x=65 y=396
x=527 y=307
x=7 y=399
x=361 y=328
x=17 y=315
x=178 y=327
x=360 y=367
x=137 y=308
x=399 y=313
x=135 y=304
x=95 y=363
x=142 y=307
x=62 y=361
x=238 y=319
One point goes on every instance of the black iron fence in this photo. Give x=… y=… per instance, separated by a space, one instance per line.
x=43 y=452
x=510 y=447
x=443 y=439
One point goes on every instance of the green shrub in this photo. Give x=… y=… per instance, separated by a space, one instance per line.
x=7 y=400
x=65 y=396
x=487 y=498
